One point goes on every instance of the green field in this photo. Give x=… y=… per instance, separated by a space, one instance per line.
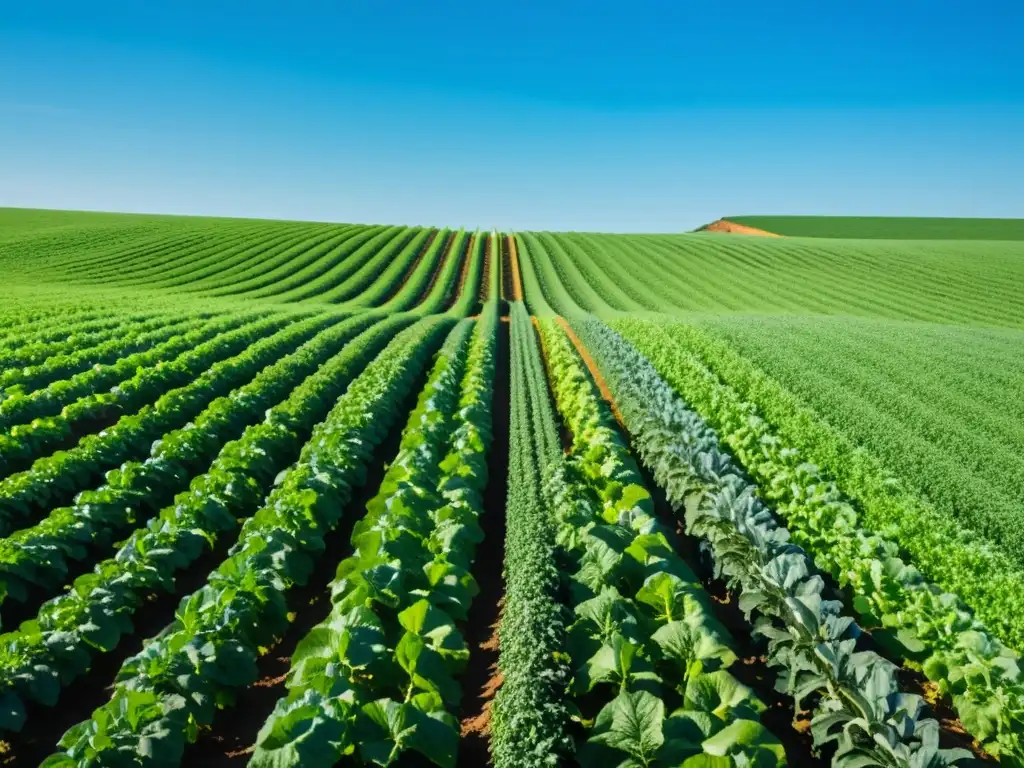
x=887 y=228
x=284 y=493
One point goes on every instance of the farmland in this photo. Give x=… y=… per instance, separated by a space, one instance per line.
x=285 y=493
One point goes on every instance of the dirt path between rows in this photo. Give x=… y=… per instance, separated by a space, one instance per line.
x=733 y=228
x=517 y=278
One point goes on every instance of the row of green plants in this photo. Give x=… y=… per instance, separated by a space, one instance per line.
x=54 y=364
x=409 y=289
x=458 y=289
x=26 y=328
x=943 y=549
x=911 y=408
x=52 y=650
x=289 y=278
x=650 y=680
x=37 y=345
x=175 y=685
x=258 y=274
x=23 y=443
x=247 y=252
x=377 y=679
x=916 y=620
x=529 y=714
x=858 y=708
x=214 y=369
x=166 y=253
x=340 y=273
x=38 y=556
x=19 y=406
x=381 y=276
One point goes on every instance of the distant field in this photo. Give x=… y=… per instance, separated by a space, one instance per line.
x=290 y=494
x=887 y=228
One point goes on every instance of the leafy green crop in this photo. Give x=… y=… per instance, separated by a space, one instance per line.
x=914 y=619
x=644 y=640
x=387 y=687
x=529 y=716
x=857 y=705
x=210 y=650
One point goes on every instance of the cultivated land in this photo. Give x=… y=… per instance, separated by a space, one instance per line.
x=280 y=494
x=883 y=228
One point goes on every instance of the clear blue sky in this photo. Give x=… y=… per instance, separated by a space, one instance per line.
x=629 y=116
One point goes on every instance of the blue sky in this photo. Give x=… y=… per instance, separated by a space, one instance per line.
x=638 y=116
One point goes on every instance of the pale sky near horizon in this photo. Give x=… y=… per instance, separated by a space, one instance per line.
x=646 y=116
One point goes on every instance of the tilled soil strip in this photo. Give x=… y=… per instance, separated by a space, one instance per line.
x=517 y=279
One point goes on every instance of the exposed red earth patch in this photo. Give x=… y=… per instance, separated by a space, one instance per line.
x=731 y=227
x=517 y=279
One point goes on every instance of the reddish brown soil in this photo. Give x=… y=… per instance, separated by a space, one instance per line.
x=724 y=225
x=517 y=278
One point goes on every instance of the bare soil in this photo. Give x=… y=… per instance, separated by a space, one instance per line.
x=595 y=372
x=517 y=278
x=732 y=228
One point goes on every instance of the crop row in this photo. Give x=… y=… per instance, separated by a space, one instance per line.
x=915 y=619
x=36 y=558
x=176 y=683
x=856 y=701
x=649 y=661
x=529 y=714
x=378 y=677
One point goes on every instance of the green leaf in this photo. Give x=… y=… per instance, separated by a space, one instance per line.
x=435 y=735
x=12 y=712
x=431 y=623
x=720 y=693
x=310 y=730
x=631 y=723
x=382 y=731
x=688 y=641
x=745 y=737
x=671 y=597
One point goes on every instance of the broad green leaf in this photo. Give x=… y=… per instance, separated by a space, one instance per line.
x=631 y=723
x=720 y=693
x=745 y=737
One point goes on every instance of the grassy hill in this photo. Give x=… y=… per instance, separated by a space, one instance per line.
x=887 y=227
